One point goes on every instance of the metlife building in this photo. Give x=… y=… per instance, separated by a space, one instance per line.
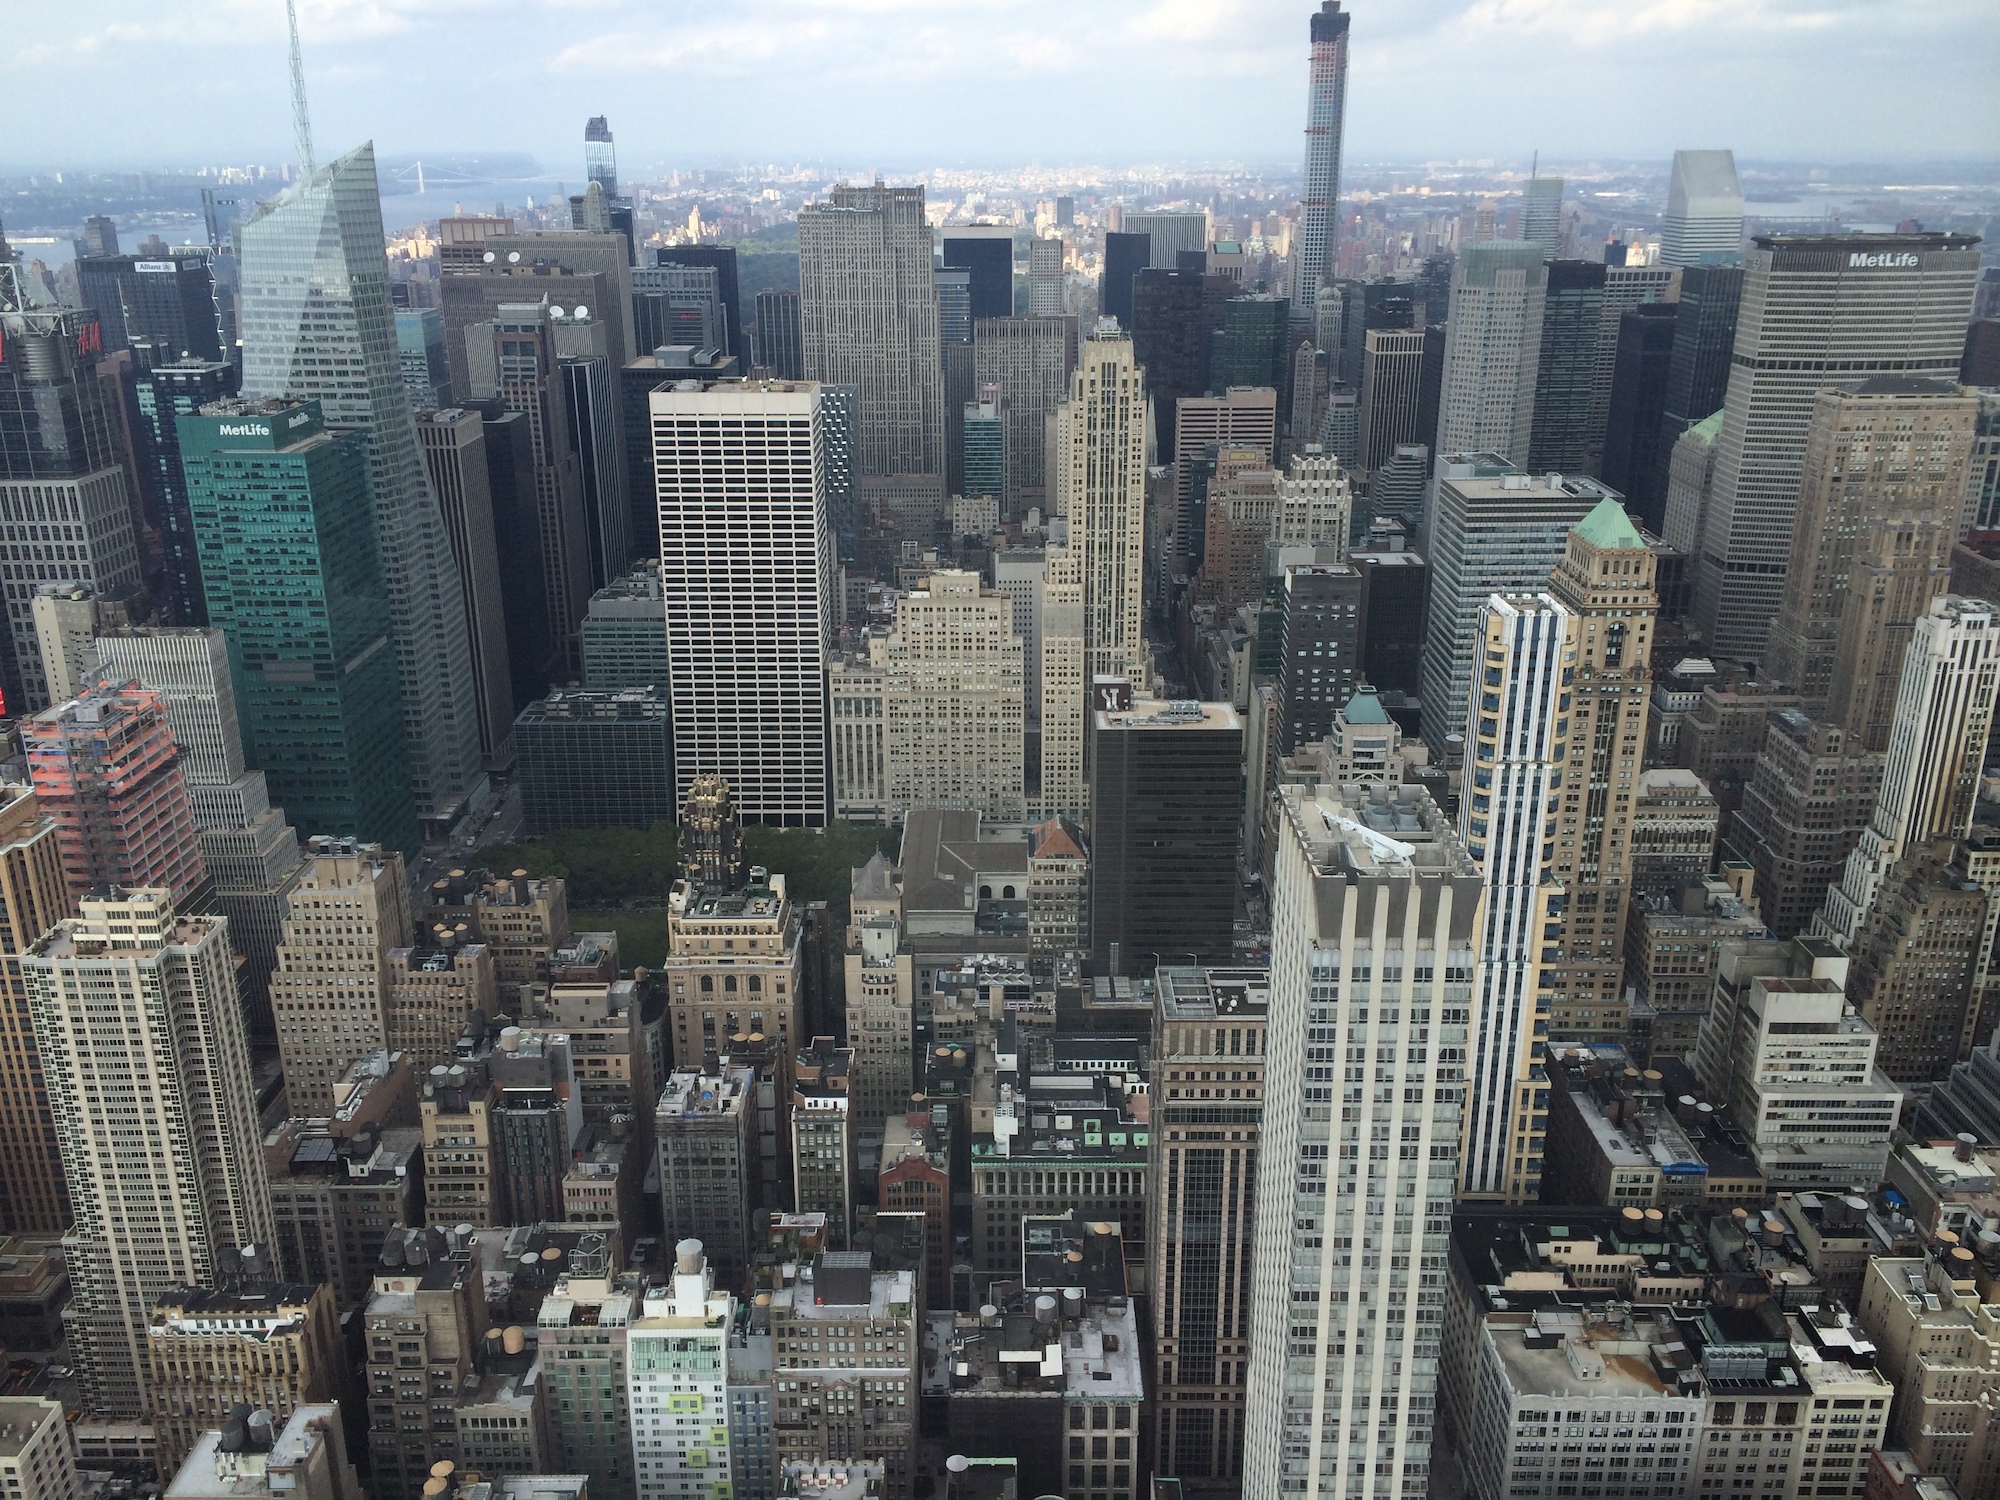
x=1819 y=311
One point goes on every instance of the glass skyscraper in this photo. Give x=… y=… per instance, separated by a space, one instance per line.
x=166 y=394
x=294 y=575
x=317 y=325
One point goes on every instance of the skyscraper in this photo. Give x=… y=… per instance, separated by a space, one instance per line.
x=1175 y=318
x=167 y=393
x=600 y=155
x=1170 y=233
x=1240 y=417
x=1125 y=256
x=590 y=395
x=34 y=896
x=1625 y=287
x=777 y=340
x=1373 y=899
x=1631 y=461
x=1542 y=214
x=298 y=588
x=868 y=315
x=987 y=251
x=677 y=1356
x=137 y=1019
x=1323 y=608
x=1937 y=748
x=1392 y=366
x=1572 y=311
x=1492 y=350
x=61 y=465
x=1101 y=445
x=1201 y=1240
x=106 y=770
x=1166 y=812
x=1704 y=219
x=454 y=447
x=1326 y=115
x=251 y=852
x=1879 y=499
x=1493 y=530
x=1817 y=310
x=161 y=306
x=1516 y=746
x=330 y=991
x=722 y=260
x=1698 y=371
x=1606 y=580
x=421 y=353
x=317 y=324
x=1045 y=277
x=747 y=567
x=954 y=699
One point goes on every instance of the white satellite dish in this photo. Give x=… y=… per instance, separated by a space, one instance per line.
x=582 y=312
x=513 y=256
x=491 y=257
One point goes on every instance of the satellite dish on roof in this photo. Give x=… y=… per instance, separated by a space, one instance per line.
x=582 y=312
x=490 y=257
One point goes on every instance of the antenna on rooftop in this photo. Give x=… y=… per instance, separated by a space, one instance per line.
x=301 y=125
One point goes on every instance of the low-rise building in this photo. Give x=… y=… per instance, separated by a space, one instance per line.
x=1620 y=1135
x=1673 y=943
x=677 y=1384
x=705 y=1132
x=34 y=1290
x=247 y=1459
x=36 y=1461
x=1675 y=822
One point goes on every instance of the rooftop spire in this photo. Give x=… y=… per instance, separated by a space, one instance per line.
x=301 y=125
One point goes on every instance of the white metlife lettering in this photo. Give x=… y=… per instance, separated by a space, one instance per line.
x=243 y=429
x=1862 y=259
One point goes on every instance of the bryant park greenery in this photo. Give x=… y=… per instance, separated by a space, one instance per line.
x=618 y=878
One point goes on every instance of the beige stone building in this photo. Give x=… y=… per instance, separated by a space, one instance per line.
x=431 y=992
x=1062 y=641
x=328 y=992
x=881 y=1003
x=953 y=695
x=33 y=897
x=36 y=1462
x=521 y=920
x=734 y=965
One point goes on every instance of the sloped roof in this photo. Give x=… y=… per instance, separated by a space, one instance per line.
x=1609 y=527
x=1365 y=707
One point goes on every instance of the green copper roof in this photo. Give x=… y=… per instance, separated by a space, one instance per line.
x=1364 y=707
x=1709 y=427
x=1608 y=526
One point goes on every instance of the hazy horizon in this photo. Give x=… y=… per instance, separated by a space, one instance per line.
x=1010 y=83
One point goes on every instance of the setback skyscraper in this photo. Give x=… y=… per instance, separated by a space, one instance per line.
x=317 y=324
x=142 y=1039
x=1101 y=487
x=1374 y=900
x=1326 y=114
x=1818 y=310
x=868 y=317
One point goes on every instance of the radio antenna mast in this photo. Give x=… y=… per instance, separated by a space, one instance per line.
x=301 y=125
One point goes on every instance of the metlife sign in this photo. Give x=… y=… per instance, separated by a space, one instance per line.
x=1863 y=260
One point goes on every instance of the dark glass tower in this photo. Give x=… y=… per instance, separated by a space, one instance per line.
x=723 y=259
x=287 y=531
x=1175 y=317
x=1125 y=256
x=1638 y=398
x=1560 y=439
x=776 y=339
x=987 y=251
x=167 y=305
x=166 y=394
x=1254 y=348
x=1698 y=369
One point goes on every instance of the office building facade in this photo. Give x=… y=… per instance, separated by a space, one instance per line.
x=595 y=758
x=34 y=896
x=1816 y=310
x=1492 y=350
x=1101 y=445
x=453 y=441
x=1704 y=219
x=739 y=540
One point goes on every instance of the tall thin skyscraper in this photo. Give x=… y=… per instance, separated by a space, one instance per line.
x=455 y=454
x=1375 y=912
x=1326 y=114
x=1572 y=312
x=1101 y=445
x=1392 y=372
x=1625 y=287
x=142 y=1043
x=1704 y=219
x=747 y=568
x=1818 y=310
x=1879 y=499
x=1492 y=350
x=1937 y=747
x=317 y=324
x=33 y=897
x=776 y=339
x=600 y=155
x=1631 y=459
x=1542 y=214
x=1607 y=580
x=1045 y=277
x=868 y=315
x=1516 y=741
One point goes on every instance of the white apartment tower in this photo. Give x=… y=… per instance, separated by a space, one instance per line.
x=148 y=1075
x=1818 y=310
x=747 y=570
x=1516 y=739
x=868 y=317
x=1315 y=502
x=1326 y=114
x=1101 y=445
x=1937 y=748
x=1492 y=350
x=677 y=1378
x=1704 y=221
x=1375 y=935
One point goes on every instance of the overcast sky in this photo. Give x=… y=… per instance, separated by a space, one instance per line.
x=913 y=82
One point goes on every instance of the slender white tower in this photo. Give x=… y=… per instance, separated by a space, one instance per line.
x=1326 y=110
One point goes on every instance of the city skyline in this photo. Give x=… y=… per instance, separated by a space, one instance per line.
x=1762 y=77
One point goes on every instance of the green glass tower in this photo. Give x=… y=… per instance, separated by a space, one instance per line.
x=284 y=522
